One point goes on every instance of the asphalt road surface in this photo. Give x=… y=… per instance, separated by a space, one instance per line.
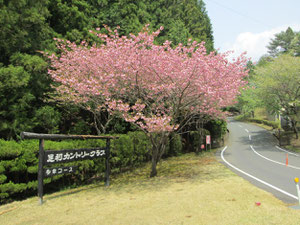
x=253 y=153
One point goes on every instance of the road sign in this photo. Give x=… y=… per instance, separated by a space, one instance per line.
x=208 y=140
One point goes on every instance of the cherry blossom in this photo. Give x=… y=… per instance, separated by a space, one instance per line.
x=149 y=85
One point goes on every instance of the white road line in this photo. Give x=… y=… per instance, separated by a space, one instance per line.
x=283 y=164
x=286 y=151
x=249 y=137
x=247 y=130
x=255 y=178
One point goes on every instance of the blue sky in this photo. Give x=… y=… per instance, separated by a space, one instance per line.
x=248 y=25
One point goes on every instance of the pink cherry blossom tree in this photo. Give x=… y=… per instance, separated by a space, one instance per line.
x=157 y=88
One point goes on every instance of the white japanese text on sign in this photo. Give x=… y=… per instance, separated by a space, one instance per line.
x=72 y=155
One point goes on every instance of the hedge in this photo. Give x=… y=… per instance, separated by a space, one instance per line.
x=19 y=162
x=273 y=124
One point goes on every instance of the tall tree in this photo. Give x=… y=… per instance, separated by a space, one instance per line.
x=285 y=42
x=24 y=31
x=182 y=19
x=24 y=27
x=278 y=84
x=248 y=100
x=158 y=88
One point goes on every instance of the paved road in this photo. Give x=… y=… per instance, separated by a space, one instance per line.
x=252 y=153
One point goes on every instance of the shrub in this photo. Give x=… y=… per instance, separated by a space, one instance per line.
x=174 y=146
x=217 y=128
x=273 y=124
x=242 y=117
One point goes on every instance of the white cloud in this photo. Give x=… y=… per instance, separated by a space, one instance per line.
x=255 y=43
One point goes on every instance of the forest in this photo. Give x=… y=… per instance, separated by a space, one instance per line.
x=28 y=27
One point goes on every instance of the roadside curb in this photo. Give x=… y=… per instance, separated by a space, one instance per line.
x=287 y=151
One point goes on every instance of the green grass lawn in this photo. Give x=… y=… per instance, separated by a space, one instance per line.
x=189 y=189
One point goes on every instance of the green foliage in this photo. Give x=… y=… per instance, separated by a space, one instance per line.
x=21 y=88
x=264 y=60
x=242 y=117
x=232 y=109
x=141 y=147
x=285 y=42
x=12 y=78
x=2 y=178
x=278 y=85
x=130 y=150
x=272 y=73
x=174 y=146
x=24 y=27
x=217 y=128
x=47 y=120
x=273 y=124
x=124 y=147
x=248 y=100
x=198 y=138
x=182 y=20
x=9 y=149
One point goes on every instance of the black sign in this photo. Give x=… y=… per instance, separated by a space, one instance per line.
x=69 y=155
x=49 y=172
x=62 y=156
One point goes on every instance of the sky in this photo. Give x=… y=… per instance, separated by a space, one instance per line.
x=249 y=25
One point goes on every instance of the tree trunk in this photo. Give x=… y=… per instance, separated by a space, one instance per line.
x=294 y=124
x=96 y=124
x=158 y=149
x=199 y=127
x=153 y=168
x=153 y=172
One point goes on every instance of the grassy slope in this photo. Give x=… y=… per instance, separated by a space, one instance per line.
x=188 y=190
x=295 y=145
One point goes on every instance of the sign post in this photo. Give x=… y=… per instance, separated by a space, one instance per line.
x=107 y=166
x=208 y=141
x=50 y=157
x=40 y=171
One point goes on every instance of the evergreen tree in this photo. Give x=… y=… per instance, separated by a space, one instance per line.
x=182 y=19
x=285 y=42
x=24 y=27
